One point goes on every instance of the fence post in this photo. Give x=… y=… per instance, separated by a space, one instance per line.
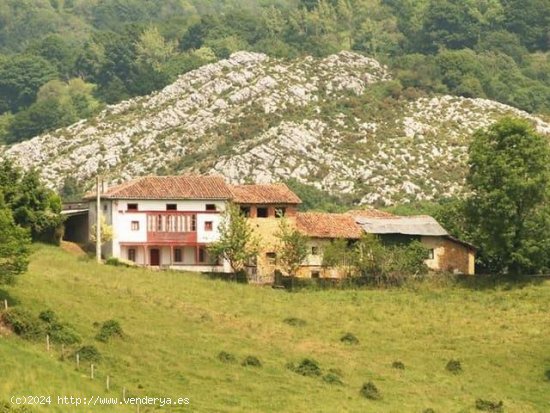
x=107 y=383
x=92 y=371
x=77 y=361
x=47 y=342
x=5 y=304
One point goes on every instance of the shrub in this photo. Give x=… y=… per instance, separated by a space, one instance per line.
x=547 y=374
x=109 y=329
x=63 y=333
x=226 y=357
x=454 y=366
x=48 y=316
x=89 y=353
x=428 y=410
x=116 y=262
x=251 y=361
x=332 y=378
x=307 y=367
x=489 y=406
x=398 y=365
x=349 y=338
x=6 y=407
x=22 y=323
x=295 y=322
x=369 y=391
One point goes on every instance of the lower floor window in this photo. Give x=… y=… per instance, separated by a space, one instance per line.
x=178 y=255
x=132 y=254
x=315 y=274
x=431 y=254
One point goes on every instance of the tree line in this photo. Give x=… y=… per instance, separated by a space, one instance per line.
x=62 y=60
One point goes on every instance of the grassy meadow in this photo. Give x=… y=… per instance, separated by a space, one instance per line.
x=176 y=324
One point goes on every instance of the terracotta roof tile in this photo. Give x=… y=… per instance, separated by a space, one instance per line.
x=264 y=194
x=170 y=187
x=325 y=225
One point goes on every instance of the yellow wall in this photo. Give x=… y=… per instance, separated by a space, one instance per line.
x=450 y=255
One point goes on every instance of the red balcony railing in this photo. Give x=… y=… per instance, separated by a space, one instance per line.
x=171 y=226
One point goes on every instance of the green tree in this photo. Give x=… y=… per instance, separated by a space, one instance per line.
x=152 y=49
x=293 y=247
x=509 y=178
x=237 y=243
x=14 y=246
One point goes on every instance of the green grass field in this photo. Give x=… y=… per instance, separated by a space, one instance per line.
x=177 y=323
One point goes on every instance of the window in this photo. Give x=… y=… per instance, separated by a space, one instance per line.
x=280 y=212
x=105 y=207
x=210 y=207
x=132 y=207
x=171 y=207
x=132 y=254
x=262 y=212
x=245 y=211
x=193 y=222
x=208 y=225
x=177 y=255
x=315 y=274
x=314 y=250
x=271 y=257
x=431 y=254
x=135 y=226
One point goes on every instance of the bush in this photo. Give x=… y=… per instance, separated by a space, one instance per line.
x=454 y=366
x=369 y=391
x=307 y=367
x=547 y=374
x=226 y=357
x=428 y=410
x=398 y=365
x=332 y=378
x=23 y=323
x=349 y=338
x=295 y=322
x=109 y=329
x=116 y=262
x=48 y=316
x=63 y=333
x=89 y=353
x=251 y=361
x=6 y=407
x=489 y=406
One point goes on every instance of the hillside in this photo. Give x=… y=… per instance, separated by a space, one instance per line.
x=176 y=324
x=336 y=123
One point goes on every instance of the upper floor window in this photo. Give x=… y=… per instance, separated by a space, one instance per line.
x=271 y=257
x=314 y=250
x=211 y=207
x=431 y=254
x=245 y=211
x=262 y=212
x=135 y=225
x=208 y=226
x=280 y=212
x=171 y=207
x=132 y=207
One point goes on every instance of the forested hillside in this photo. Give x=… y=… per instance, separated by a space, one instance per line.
x=62 y=60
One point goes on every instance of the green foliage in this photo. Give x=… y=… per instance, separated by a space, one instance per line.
x=23 y=323
x=34 y=206
x=251 y=361
x=237 y=242
x=509 y=178
x=333 y=379
x=108 y=330
x=316 y=199
x=14 y=246
x=295 y=322
x=454 y=366
x=489 y=406
x=349 y=338
x=370 y=391
x=293 y=247
x=399 y=365
x=88 y=353
x=226 y=357
x=307 y=367
x=6 y=407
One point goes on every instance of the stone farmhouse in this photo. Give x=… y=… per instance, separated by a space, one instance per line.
x=169 y=222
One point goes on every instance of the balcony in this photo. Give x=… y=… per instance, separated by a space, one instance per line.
x=166 y=227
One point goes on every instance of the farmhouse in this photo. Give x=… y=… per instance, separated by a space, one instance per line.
x=169 y=222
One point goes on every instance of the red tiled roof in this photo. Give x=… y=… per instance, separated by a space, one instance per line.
x=264 y=194
x=325 y=225
x=170 y=187
x=370 y=213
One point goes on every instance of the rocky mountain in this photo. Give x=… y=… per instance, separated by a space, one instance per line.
x=338 y=123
